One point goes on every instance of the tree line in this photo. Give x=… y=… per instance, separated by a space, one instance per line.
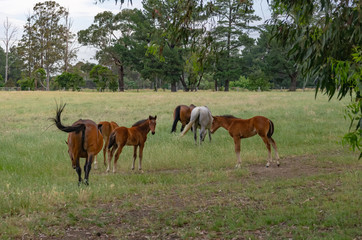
x=183 y=44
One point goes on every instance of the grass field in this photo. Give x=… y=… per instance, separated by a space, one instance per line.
x=186 y=191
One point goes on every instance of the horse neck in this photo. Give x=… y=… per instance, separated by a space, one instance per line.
x=144 y=127
x=225 y=122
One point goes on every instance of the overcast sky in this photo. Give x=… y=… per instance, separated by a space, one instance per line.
x=82 y=13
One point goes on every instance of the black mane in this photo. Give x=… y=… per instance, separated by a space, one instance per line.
x=139 y=122
x=228 y=116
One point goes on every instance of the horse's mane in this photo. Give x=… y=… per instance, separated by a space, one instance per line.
x=139 y=122
x=228 y=116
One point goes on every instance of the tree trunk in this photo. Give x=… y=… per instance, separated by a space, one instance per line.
x=173 y=87
x=48 y=78
x=121 y=78
x=182 y=79
x=293 y=81
x=216 y=85
x=226 y=85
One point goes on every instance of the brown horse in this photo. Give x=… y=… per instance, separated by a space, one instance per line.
x=106 y=129
x=135 y=136
x=244 y=128
x=84 y=141
x=182 y=113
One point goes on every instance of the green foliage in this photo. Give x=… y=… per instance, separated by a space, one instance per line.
x=26 y=83
x=103 y=77
x=1 y=81
x=243 y=82
x=324 y=35
x=70 y=80
x=44 y=40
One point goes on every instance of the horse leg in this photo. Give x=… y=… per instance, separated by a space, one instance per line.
x=202 y=134
x=195 y=133
x=267 y=144
x=209 y=134
x=110 y=155
x=140 y=157
x=79 y=171
x=95 y=162
x=237 y=151
x=119 y=151
x=87 y=168
x=272 y=142
x=134 y=155
x=104 y=152
x=182 y=127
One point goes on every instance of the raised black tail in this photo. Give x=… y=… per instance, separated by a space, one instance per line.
x=177 y=118
x=112 y=140
x=76 y=128
x=271 y=129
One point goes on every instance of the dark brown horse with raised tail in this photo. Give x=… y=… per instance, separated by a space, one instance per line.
x=244 y=128
x=181 y=113
x=106 y=129
x=84 y=141
x=135 y=136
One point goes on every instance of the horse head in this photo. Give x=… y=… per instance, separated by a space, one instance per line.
x=152 y=123
x=216 y=124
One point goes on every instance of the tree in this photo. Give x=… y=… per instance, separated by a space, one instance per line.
x=70 y=80
x=326 y=37
x=103 y=77
x=44 y=38
x=233 y=18
x=9 y=42
x=272 y=58
x=111 y=35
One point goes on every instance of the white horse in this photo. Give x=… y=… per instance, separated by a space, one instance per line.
x=200 y=118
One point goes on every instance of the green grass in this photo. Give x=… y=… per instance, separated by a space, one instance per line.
x=186 y=191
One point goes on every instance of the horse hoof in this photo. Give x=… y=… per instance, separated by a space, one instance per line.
x=278 y=164
x=86 y=183
x=267 y=166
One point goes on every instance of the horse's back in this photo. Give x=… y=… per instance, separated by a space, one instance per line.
x=93 y=139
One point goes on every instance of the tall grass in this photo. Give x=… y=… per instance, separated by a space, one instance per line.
x=38 y=186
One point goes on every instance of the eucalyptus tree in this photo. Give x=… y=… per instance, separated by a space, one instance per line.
x=112 y=35
x=9 y=41
x=44 y=39
x=326 y=37
x=231 y=35
x=179 y=29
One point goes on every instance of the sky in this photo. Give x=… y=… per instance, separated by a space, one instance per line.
x=82 y=13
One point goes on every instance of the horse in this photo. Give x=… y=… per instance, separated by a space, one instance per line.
x=200 y=118
x=84 y=141
x=135 y=136
x=106 y=129
x=244 y=128
x=181 y=113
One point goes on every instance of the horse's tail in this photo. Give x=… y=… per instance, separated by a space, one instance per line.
x=76 y=128
x=271 y=129
x=100 y=127
x=176 y=116
x=194 y=116
x=112 y=140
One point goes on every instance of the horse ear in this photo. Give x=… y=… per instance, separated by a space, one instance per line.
x=155 y=117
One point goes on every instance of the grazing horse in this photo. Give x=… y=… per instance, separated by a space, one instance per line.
x=106 y=129
x=200 y=118
x=84 y=141
x=181 y=113
x=244 y=128
x=135 y=136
